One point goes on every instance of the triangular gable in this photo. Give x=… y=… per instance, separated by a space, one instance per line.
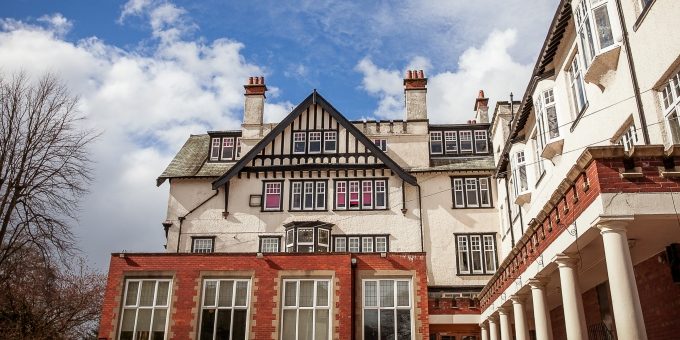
x=314 y=98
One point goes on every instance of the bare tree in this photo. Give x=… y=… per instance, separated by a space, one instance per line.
x=45 y=170
x=44 y=165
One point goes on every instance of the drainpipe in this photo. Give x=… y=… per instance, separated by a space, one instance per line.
x=182 y=218
x=507 y=198
x=633 y=74
x=353 y=265
x=420 y=207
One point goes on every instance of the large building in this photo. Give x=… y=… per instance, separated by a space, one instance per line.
x=556 y=220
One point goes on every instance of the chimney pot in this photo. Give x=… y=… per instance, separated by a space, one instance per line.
x=409 y=74
x=481 y=94
x=421 y=74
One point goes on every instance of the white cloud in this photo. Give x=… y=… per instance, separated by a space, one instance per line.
x=451 y=94
x=146 y=103
x=57 y=23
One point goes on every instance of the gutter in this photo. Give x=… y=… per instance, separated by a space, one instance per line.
x=182 y=218
x=633 y=74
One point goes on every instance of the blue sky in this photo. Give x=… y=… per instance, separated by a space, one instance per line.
x=149 y=73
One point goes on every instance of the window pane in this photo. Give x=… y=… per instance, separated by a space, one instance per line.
x=321 y=195
x=289 y=317
x=128 y=324
x=321 y=324
x=403 y=325
x=471 y=192
x=466 y=141
x=215 y=149
x=451 y=141
x=387 y=324
x=223 y=324
x=353 y=244
x=323 y=236
x=241 y=293
x=162 y=294
x=146 y=297
x=435 y=142
x=476 y=249
x=291 y=293
x=305 y=324
x=381 y=244
x=239 y=325
x=309 y=195
x=159 y=318
x=305 y=235
x=322 y=293
x=314 y=142
x=210 y=293
x=306 y=293
x=340 y=194
x=340 y=244
x=226 y=293
x=380 y=195
x=604 y=28
x=143 y=322
x=484 y=191
x=674 y=124
x=330 y=138
x=463 y=266
x=481 y=144
x=402 y=294
x=367 y=244
x=296 y=190
x=354 y=194
x=132 y=291
x=367 y=194
x=387 y=293
x=553 y=125
x=370 y=293
x=207 y=324
x=370 y=324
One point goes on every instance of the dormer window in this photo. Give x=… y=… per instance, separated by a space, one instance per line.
x=451 y=141
x=227 y=148
x=436 y=142
x=215 y=149
x=465 y=141
x=481 y=144
x=315 y=142
x=299 y=141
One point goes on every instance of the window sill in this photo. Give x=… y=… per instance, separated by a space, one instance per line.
x=642 y=16
x=553 y=148
x=602 y=63
x=523 y=198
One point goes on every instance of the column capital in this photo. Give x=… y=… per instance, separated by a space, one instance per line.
x=613 y=223
x=538 y=282
x=492 y=318
x=518 y=298
x=565 y=260
x=483 y=326
x=503 y=310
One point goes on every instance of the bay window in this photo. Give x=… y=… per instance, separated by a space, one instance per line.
x=307 y=237
x=471 y=192
x=387 y=311
x=593 y=26
x=436 y=142
x=476 y=254
x=272 y=193
x=306 y=309
x=670 y=100
x=145 y=309
x=224 y=309
x=367 y=194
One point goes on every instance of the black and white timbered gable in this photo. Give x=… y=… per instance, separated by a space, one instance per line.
x=314 y=139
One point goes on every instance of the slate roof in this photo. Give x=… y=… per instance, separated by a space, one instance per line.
x=191 y=161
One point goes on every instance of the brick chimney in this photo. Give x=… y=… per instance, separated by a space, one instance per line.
x=253 y=111
x=415 y=91
x=482 y=108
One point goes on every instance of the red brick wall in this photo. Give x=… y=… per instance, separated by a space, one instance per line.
x=448 y=306
x=557 y=322
x=660 y=299
x=186 y=270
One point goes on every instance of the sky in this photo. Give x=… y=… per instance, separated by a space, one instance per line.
x=149 y=73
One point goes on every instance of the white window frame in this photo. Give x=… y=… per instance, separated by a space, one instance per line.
x=476 y=254
x=354 y=187
x=459 y=188
x=290 y=240
x=320 y=196
x=311 y=243
x=354 y=244
x=308 y=193
x=215 y=149
x=314 y=308
x=321 y=246
x=238 y=147
x=471 y=186
x=367 y=244
x=546 y=115
x=381 y=143
x=199 y=245
x=330 y=136
x=481 y=135
x=299 y=138
x=628 y=137
x=341 y=189
x=233 y=305
x=588 y=33
x=340 y=244
x=367 y=189
x=269 y=244
x=381 y=244
x=395 y=303
x=486 y=248
x=136 y=306
x=272 y=188
x=380 y=189
x=296 y=196
x=669 y=96
x=227 y=144
x=577 y=85
x=465 y=136
x=484 y=192
x=436 y=138
x=315 y=137
x=489 y=243
x=451 y=137
x=519 y=169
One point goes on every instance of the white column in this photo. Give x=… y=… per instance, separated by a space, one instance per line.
x=541 y=312
x=572 y=301
x=493 y=328
x=504 y=315
x=521 y=327
x=485 y=332
x=625 y=299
